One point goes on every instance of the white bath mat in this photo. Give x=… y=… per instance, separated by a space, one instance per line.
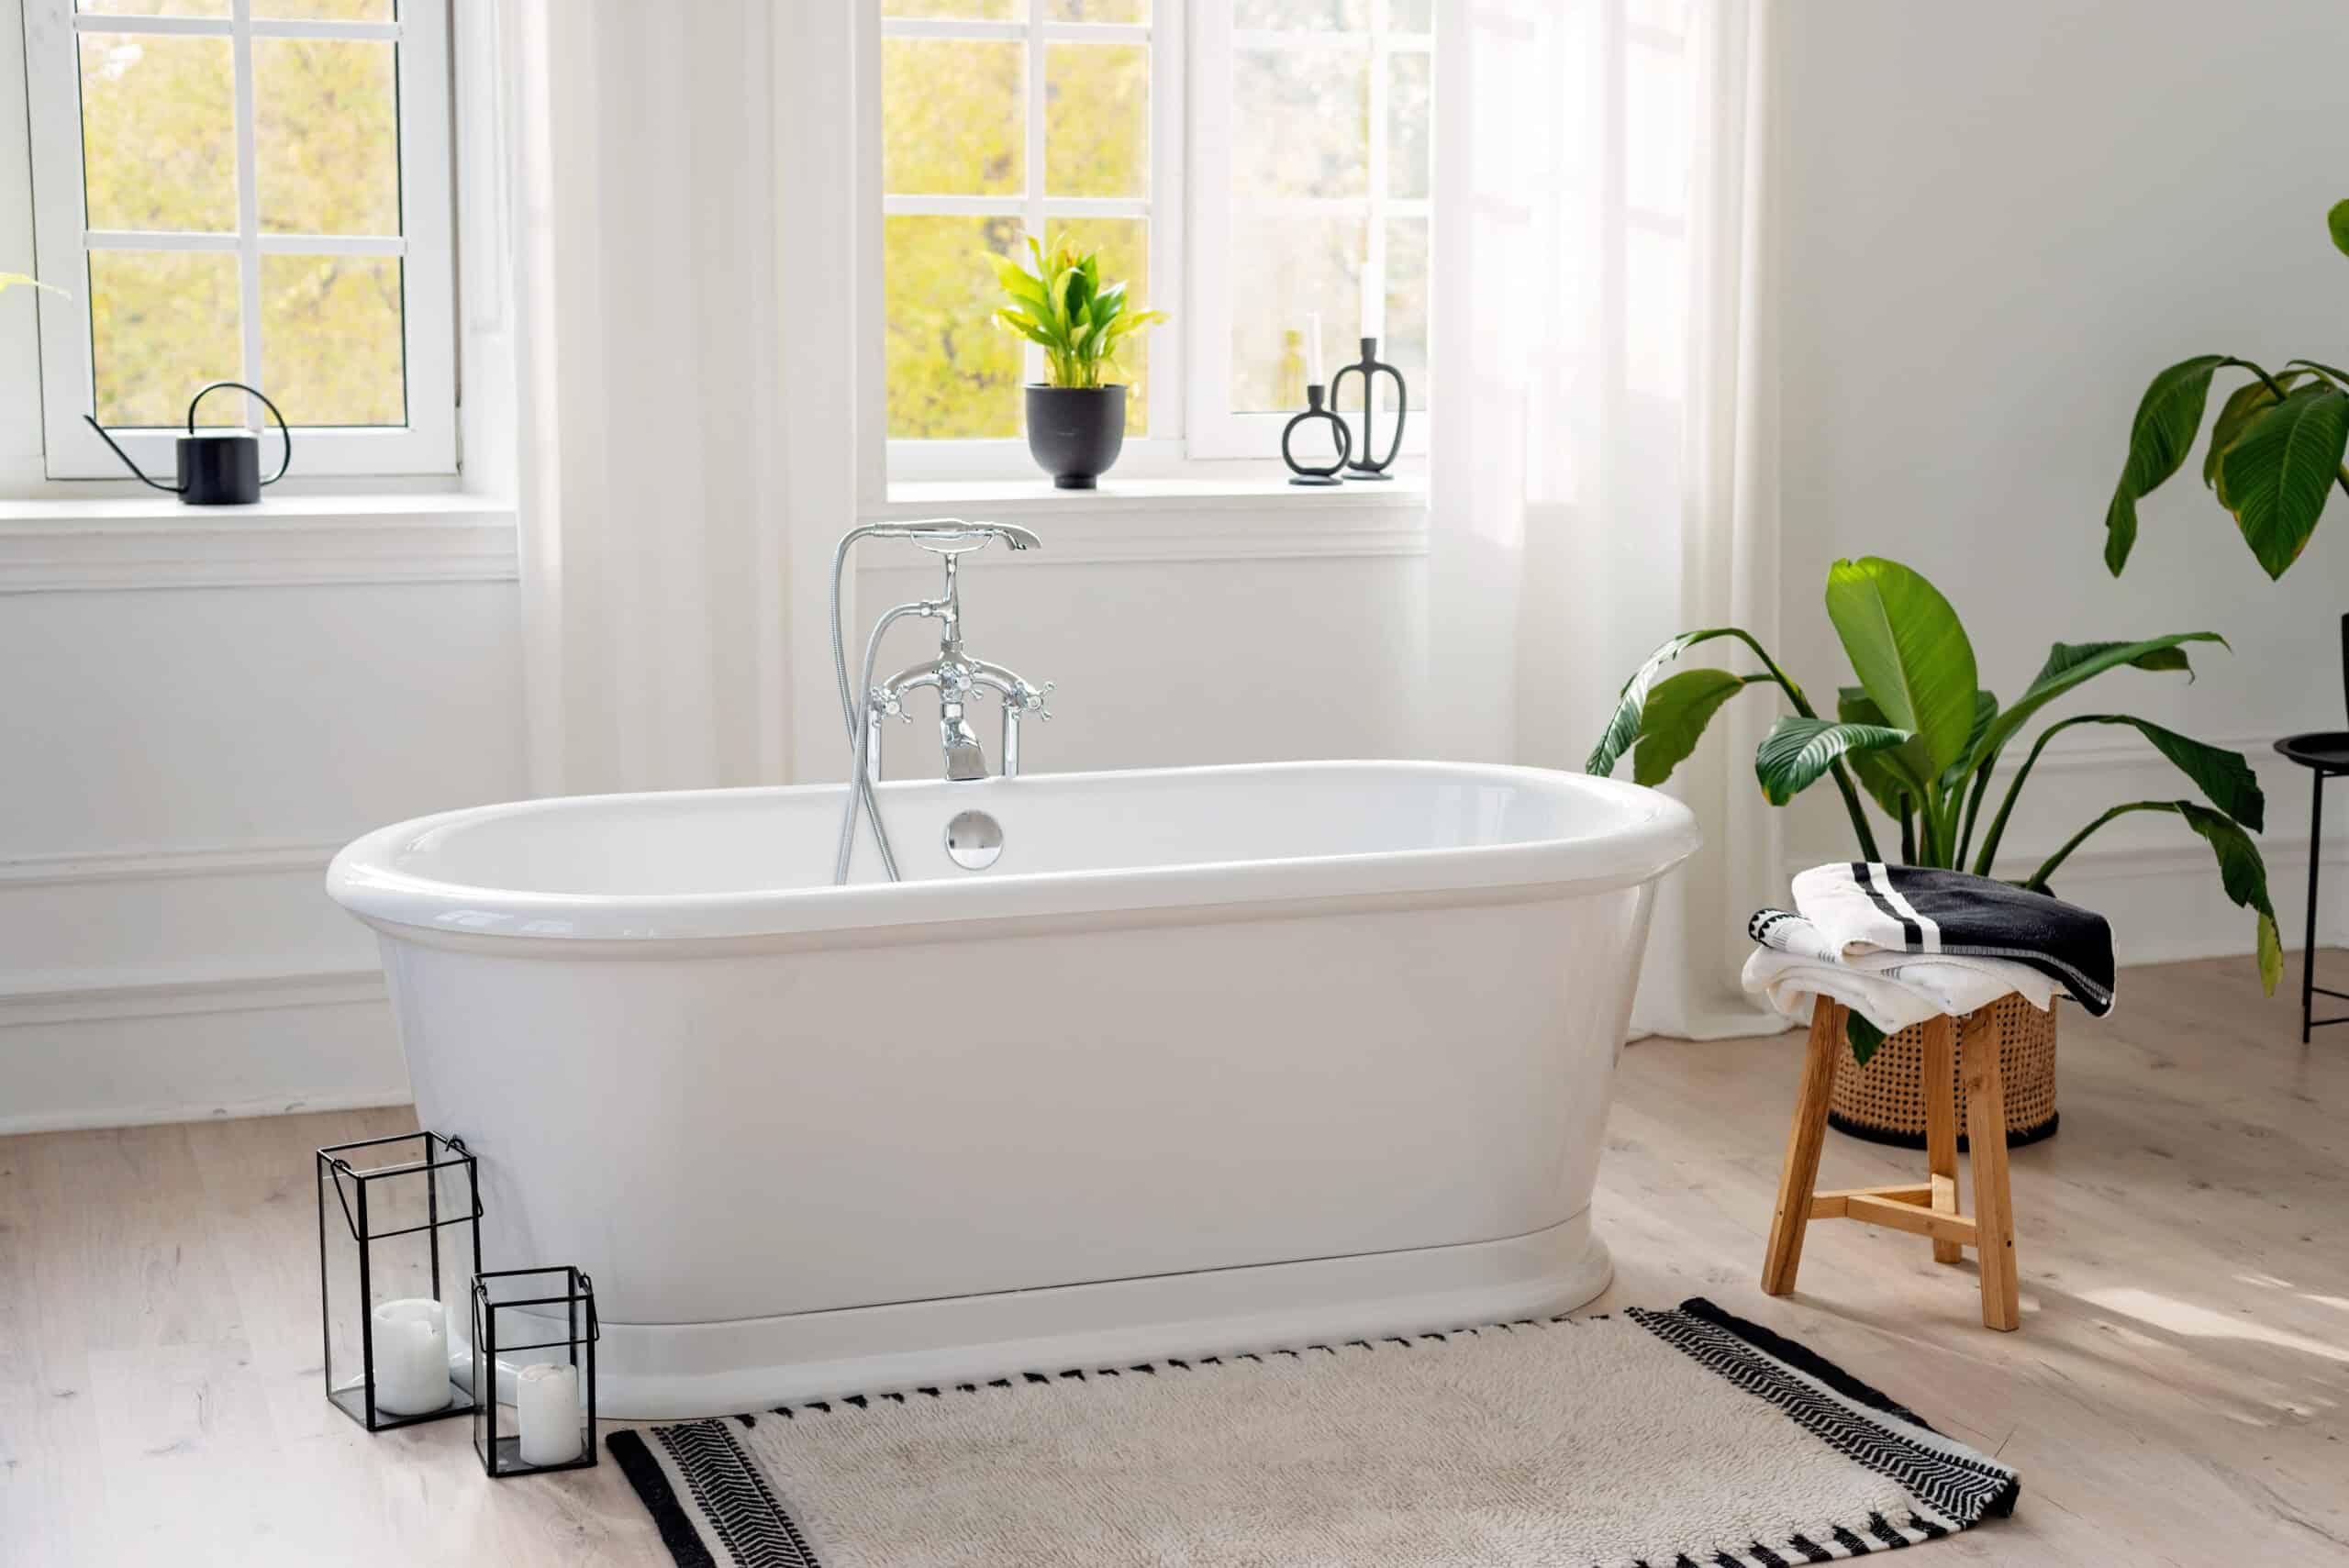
x=1665 y=1438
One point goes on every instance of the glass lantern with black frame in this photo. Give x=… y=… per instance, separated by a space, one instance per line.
x=534 y=1333
x=400 y=1233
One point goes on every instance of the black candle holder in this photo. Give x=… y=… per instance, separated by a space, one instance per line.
x=519 y=1312
x=399 y=1231
x=1369 y=368
x=1315 y=410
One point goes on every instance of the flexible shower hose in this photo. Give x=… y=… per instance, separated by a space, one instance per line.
x=860 y=723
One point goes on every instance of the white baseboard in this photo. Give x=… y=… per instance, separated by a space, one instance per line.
x=147 y=983
x=134 y=1049
x=103 y=996
x=162 y=1114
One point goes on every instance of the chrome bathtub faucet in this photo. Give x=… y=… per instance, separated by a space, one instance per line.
x=957 y=677
x=954 y=674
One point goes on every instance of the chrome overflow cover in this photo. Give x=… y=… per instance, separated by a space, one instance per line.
x=974 y=839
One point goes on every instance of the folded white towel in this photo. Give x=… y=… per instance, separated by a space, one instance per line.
x=1962 y=984
x=1961 y=981
x=1793 y=984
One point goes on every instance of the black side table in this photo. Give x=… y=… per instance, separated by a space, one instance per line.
x=2325 y=753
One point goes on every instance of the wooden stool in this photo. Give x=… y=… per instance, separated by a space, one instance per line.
x=1929 y=1210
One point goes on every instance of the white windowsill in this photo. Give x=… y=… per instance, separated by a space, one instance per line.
x=1140 y=495
x=1147 y=520
x=139 y=542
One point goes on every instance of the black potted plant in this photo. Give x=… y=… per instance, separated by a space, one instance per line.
x=1075 y=423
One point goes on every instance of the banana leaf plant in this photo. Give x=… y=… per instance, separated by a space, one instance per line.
x=2275 y=452
x=1924 y=743
x=1065 y=309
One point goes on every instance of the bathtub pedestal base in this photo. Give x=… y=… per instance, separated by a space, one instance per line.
x=667 y=1371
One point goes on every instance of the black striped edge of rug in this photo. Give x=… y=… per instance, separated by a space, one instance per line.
x=1957 y=1489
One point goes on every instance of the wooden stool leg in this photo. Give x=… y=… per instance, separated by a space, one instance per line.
x=1986 y=1132
x=1941 y=1124
x=1803 y=1140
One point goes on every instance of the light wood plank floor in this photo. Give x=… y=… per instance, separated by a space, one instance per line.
x=2175 y=1396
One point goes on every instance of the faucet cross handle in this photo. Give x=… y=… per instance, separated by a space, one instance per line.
x=1031 y=699
x=887 y=703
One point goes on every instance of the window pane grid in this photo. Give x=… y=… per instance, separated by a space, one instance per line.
x=1116 y=203
x=1327 y=206
x=996 y=207
x=226 y=27
x=200 y=240
x=322 y=293
x=1331 y=43
x=1371 y=38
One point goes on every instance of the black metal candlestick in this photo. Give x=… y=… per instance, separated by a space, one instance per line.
x=1315 y=409
x=1369 y=368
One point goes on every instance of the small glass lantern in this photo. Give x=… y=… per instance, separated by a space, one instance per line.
x=534 y=1333
x=400 y=1234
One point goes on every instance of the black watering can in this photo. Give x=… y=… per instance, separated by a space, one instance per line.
x=217 y=467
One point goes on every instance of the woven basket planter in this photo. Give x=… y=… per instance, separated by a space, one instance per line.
x=1884 y=1101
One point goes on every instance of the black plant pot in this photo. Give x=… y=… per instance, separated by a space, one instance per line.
x=1074 y=432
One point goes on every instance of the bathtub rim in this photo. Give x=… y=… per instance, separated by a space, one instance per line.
x=1650 y=833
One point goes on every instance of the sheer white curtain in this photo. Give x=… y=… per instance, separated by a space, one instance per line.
x=1604 y=467
x=647 y=285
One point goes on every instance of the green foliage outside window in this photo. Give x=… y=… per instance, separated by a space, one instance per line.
x=159 y=152
x=954 y=122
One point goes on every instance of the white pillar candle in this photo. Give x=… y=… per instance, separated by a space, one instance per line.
x=1313 y=349
x=411 y=1357
x=546 y=1410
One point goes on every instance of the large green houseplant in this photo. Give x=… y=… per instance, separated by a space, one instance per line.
x=2275 y=452
x=1924 y=742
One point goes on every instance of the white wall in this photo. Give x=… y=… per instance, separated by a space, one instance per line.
x=1237 y=630
x=2002 y=218
x=182 y=760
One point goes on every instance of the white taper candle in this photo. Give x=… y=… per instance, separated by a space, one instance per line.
x=1313 y=349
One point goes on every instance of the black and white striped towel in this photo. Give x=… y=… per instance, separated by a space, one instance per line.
x=1862 y=906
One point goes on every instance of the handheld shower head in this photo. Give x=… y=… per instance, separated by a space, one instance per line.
x=944 y=535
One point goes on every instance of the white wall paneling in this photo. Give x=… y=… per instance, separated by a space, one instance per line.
x=1224 y=629
x=2043 y=211
x=185 y=761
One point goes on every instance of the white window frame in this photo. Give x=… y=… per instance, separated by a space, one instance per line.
x=427 y=444
x=1161 y=208
x=1216 y=429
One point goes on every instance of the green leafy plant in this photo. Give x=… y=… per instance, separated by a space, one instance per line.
x=2275 y=452
x=1064 y=309
x=1922 y=740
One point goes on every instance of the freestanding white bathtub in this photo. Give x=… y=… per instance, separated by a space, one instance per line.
x=1209 y=1059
